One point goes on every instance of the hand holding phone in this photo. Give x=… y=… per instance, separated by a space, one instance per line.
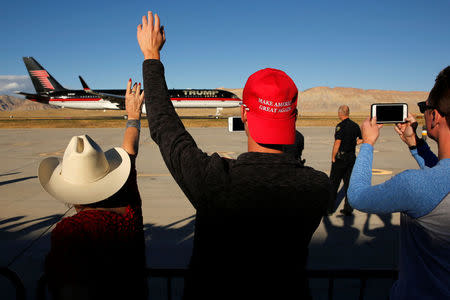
x=407 y=130
x=370 y=131
x=389 y=112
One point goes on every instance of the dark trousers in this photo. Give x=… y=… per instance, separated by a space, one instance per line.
x=341 y=169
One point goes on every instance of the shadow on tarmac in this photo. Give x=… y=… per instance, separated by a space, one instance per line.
x=16 y=180
x=349 y=247
x=14 y=231
x=7 y=174
x=169 y=246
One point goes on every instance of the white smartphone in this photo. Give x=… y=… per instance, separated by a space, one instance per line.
x=389 y=112
x=235 y=124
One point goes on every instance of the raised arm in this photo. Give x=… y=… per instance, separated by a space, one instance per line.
x=185 y=161
x=402 y=193
x=407 y=133
x=133 y=105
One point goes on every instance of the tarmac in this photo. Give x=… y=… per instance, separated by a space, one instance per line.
x=28 y=213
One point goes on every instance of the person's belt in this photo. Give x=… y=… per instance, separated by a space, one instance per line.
x=343 y=154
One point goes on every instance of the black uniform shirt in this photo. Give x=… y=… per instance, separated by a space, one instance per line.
x=347 y=131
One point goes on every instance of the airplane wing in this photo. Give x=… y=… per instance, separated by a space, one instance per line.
x=36 y=97
x=119 y=100
x=115 y=99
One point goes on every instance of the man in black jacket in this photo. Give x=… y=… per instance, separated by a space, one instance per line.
x=255 y=214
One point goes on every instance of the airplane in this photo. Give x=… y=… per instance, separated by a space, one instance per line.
x=49 y=91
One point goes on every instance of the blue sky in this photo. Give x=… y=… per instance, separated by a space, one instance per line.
x=390 y=45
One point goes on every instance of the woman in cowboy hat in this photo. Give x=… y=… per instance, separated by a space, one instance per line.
x=98 y=253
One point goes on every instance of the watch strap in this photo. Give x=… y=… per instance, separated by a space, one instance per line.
x=134 y=123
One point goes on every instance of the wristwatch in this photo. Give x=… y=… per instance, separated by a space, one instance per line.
x=134 y=123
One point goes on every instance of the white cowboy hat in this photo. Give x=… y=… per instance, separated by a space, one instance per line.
x=86 y=174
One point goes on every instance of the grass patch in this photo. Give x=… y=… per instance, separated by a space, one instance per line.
x=63 y=123
x=73 y=118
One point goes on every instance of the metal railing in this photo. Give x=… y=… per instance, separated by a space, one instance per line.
x=41 y=288
x=16 y=282
x=362 y=274
x=169 y=274
x=331 y=274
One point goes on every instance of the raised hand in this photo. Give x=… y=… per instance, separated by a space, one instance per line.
x=133 y=101
x=151 y=36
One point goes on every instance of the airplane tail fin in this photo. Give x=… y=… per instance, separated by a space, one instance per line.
x=84 y=84
x=42 y=80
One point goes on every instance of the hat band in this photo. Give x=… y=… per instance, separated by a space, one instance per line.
x=78 y=181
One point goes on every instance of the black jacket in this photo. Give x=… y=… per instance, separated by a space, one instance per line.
x=255 y=215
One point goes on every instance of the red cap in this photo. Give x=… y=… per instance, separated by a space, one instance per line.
x=270 y=99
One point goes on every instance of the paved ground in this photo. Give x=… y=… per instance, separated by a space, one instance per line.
x=27 y=212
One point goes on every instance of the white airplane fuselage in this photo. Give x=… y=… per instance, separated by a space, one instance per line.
x=50 y=91
x=102 y=104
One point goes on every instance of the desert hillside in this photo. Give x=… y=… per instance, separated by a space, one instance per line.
x=15 y=103
x=327 y=100
x=317 y=100
x=322 y=99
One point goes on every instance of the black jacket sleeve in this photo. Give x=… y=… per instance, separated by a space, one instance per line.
x=185 y=161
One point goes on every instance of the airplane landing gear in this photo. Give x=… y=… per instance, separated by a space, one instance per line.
x=218 y=111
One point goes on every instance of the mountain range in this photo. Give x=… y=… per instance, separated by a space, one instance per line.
x=315 y=100
x=327 y=100
x=15 y=103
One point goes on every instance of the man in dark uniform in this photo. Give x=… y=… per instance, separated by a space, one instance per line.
x=347 y=135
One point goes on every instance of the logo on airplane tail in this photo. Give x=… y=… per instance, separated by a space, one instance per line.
x=42 y=75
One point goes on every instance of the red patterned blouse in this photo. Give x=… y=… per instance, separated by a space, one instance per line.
x=100 y=253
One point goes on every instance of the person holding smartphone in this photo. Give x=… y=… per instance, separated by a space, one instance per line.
x=421 y=196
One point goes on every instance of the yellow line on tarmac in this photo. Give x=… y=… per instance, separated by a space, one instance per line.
x=381 y=172
x=153 y=175
x=56 y=153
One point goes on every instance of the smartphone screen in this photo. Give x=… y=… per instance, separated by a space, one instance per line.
x=390 y=113
x=235 y=124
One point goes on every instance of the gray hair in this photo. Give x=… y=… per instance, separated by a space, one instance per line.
x=344 y=110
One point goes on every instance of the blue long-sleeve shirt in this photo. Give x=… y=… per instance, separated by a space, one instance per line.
x=422 y=196
x=424 y=151
x=415 y=192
